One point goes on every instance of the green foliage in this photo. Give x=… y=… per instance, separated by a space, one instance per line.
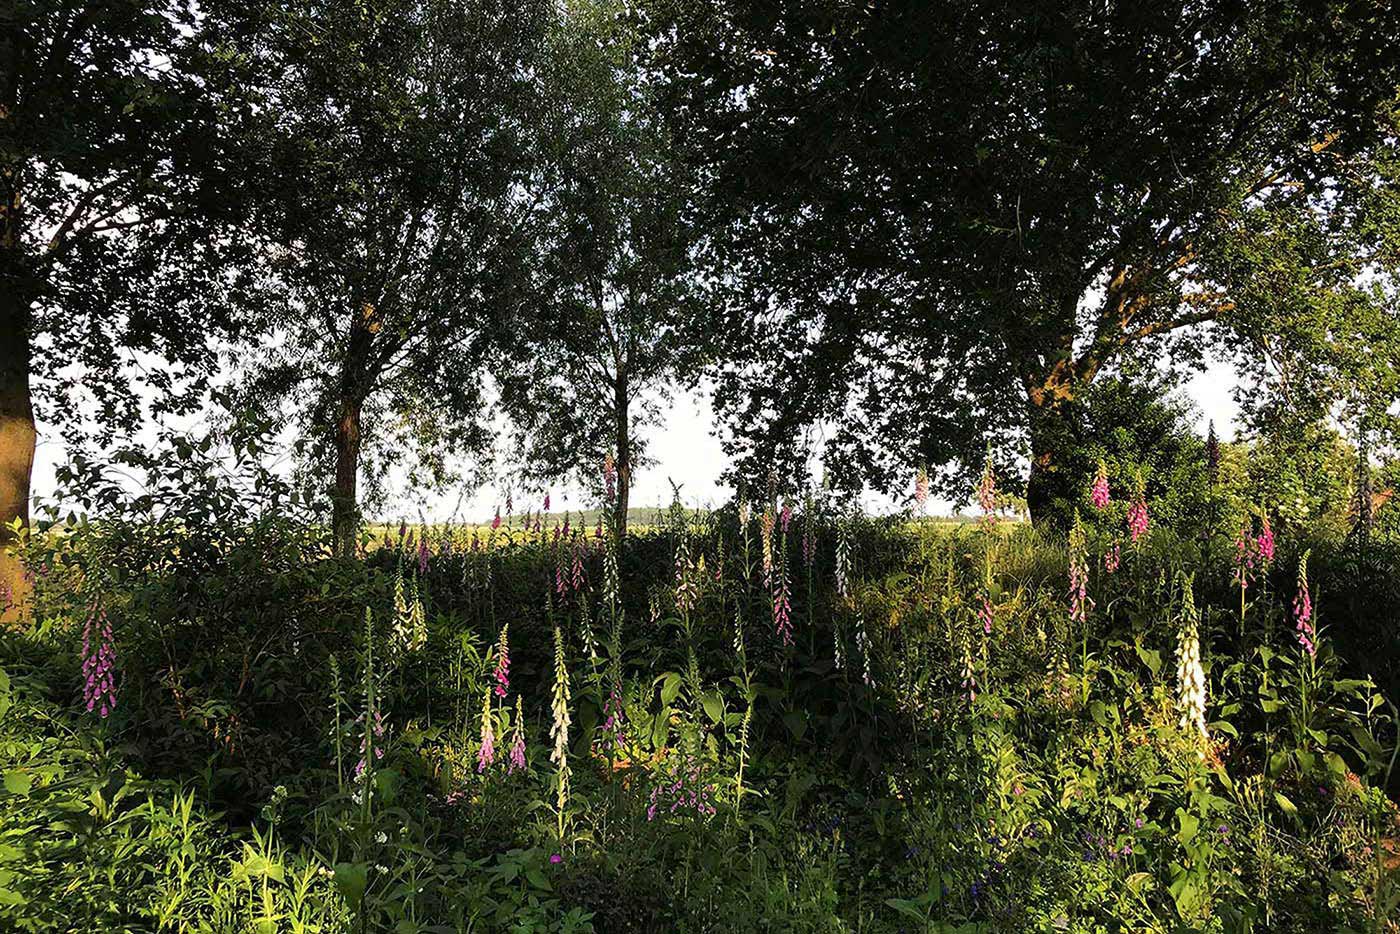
x=937 y=224
x=849 y=781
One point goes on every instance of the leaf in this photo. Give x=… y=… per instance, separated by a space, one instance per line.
x=910 y=909
x=671 y=687
x=538 y=880
x=19 y=783
x=660 y=727
x=1288 y=807
x=796 y=723
x=351 y=879
x=714 y=706
x=1187 y=824
x=1152 y=658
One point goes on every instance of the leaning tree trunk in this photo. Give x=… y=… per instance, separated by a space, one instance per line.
x=623 y=439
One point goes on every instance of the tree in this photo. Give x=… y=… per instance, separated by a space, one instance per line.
x=116 y=192
x=402 y=194
x=942 y=222
x=619 y=294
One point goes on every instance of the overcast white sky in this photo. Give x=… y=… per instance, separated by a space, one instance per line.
x=687 y=451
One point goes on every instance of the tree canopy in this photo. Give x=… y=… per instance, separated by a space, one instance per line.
x=400 y=198
x=118 y=194
x=940 y=222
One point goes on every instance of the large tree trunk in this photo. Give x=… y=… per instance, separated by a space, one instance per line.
x=17 y=437
x=355 y=381
x=345 y=510
x=1047 y=406
x=623 y=439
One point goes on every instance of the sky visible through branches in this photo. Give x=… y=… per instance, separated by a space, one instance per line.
x=687 y=451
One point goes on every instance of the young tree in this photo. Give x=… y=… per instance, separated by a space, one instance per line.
x=403 y=191
x=943 y=221
x=116 y=186
x=618 y=290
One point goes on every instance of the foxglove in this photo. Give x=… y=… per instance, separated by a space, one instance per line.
x=486 y=753
x=516 y=761
x=502 y=673
x=1137 y=519
x=1303 y=610
x=1099 y=494
x=1190 y=676
x=1079 y=602
x=99 y=662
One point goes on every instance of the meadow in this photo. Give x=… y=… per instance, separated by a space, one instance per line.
x=775 y=716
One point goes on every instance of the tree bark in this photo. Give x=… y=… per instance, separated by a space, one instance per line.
x=345 y=510
x=1048 y=400
x=17 y=434
x=354 y=387
x=623 y=439
x=17 y=439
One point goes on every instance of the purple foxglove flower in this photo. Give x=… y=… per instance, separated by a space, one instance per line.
x=1099 y=494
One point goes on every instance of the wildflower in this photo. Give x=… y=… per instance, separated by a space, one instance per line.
x=1303 y=610
x=1113 y=557
x=578 y=571
x=1079 y=602
x=502 y=674
x=969 y=677
x=1191 y=678
x=1059 y=685
x=1246 y=551
x=370 y=748
x=682 y=790
x=555 y=859
x=986 y=614
x=496 y=522
x=1137 y=518
x=1099 y=494
x=687 y=579
x=614 y=736
x=843 y=560
x=423 y=554
x=516 y=761
x=609 y=476
x=1265 y=542
x=546 y=502
x=559 y=728
x=782 y=605
x=786 y=517
x=486 y=754
x=561 y=573
x=863 y=646
x=987 y=491
x=766 y=525
x=921 y=488
x=99 y=659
